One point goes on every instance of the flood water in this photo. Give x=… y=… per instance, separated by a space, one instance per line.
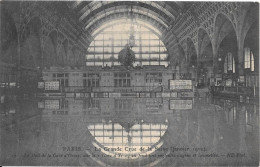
x=129 y=131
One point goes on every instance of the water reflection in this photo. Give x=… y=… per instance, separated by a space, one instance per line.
x=127 y=140
x=127 y=131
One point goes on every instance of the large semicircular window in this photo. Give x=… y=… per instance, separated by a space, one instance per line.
x=111 y=39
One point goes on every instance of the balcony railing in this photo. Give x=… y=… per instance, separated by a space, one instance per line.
x=249 y=91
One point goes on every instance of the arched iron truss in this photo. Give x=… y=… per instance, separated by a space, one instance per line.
x=91 y=13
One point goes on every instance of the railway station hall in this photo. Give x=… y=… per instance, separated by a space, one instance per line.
x=129 y=83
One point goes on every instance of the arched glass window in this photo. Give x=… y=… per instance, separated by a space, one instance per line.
x=249 y=59
x=229 y=64
x=109 y=41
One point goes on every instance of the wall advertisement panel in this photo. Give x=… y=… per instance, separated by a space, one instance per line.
x=180 y=84
x=52 y=85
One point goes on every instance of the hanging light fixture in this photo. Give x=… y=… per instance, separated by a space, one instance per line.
x=131 y=41
x=127 y=56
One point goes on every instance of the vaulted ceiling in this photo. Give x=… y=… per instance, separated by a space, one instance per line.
x=93 y=14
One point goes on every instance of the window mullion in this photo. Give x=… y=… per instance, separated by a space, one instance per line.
x=103 y=49
x=149 y=49
x=94 y=52
x=159 y=51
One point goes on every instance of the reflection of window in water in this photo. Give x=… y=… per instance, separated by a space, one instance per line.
x=64 y=104
x=249 y=121
x=231 y=115
x=92 y=105
x=123 y=105
x=60 y=112
x=114 y=135
x=153 y=103
x=251 y=118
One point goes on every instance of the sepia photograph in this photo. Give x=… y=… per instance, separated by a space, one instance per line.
x=129 y=83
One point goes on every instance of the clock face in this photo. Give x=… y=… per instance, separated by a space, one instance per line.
x=126 y=56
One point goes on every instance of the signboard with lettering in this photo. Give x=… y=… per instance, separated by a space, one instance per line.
x=114 y=95
x=180 y=104
x=185 y=94
x=51 y=104
x=180 y=84
x=52 y=85
x=166 y=94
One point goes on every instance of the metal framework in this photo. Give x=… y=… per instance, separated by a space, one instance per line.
x=104 y=49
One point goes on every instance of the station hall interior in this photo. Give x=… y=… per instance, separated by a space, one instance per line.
x=118 y=76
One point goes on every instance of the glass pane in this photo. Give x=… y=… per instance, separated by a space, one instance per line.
x=164 y=63
x=90 y=57
x=114 y=37
x=108 y=43
x=145 y=56
x=108 y=64
x=145 y=63
x=163 y=56
x=154 y=62
x=117 y=49
x=107 y=49
x=107 y=56
x=252 y=62
x=99 y=57
x=89 y=63
x=154 y=56
x=99 y=43
x=99 y=64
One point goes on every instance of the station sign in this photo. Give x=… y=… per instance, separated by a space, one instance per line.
x=185 y=94
x=180 y=104
x=166 y=94
x=180 y=84
x=114 y=95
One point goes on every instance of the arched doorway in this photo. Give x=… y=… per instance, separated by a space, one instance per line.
x=227 y=55
x=181 y=62
x=76 y=56
x=191 y=61
x=205 y=60
x=50 y=52
x=65 y=48
x=31 y=55
x=9 y=39
x=9 y=50
x=251 y=56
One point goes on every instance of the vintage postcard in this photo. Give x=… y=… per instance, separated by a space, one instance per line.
x=129 y=83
